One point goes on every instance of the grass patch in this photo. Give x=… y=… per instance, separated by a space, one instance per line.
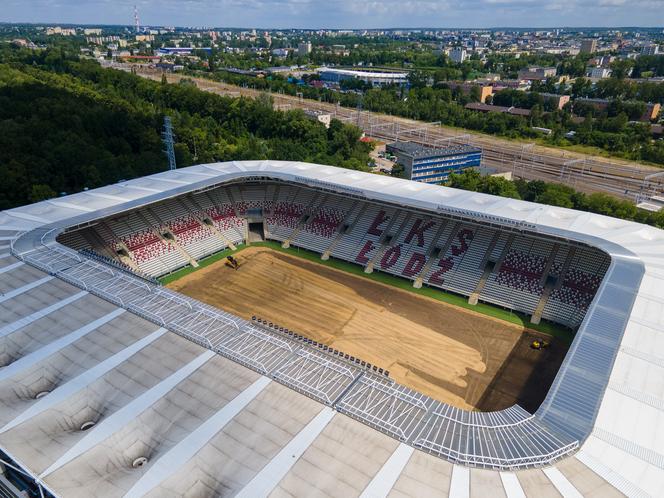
x=552 y=329
x=202 y=263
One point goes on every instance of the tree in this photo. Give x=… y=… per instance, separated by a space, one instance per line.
x=94 y=127
x=555 y=194
x=497 y=185
x=469 y=179
x=41 y=192
x=398 y=171
x=622 y=68
x=418 y=79
x=265 y=100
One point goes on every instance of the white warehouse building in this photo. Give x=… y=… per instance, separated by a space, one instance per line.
x=375 y=78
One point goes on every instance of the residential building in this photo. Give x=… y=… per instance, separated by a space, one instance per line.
x=304 y=49
x=485 y=91
x=651 y=49
x=589 y=45
x=340 y=50
x=650 y=114
x=515 y=111
x=558 y=101
x=652 y=111
x=458 y=55
x=181 y=50
x=599 y=73
x=537 y=73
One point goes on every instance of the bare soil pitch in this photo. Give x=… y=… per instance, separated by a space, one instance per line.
x=459 y=357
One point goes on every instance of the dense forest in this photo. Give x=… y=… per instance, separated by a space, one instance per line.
x=555 y=194
x=67 y=124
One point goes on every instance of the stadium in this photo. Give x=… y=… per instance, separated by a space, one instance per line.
x=319 y=360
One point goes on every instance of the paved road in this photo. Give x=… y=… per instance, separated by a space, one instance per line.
x=530 y=161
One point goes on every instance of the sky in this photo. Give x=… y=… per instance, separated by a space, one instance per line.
x=341 y=13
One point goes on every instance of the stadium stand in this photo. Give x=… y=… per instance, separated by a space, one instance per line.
x=442 y=252
x=115 y=386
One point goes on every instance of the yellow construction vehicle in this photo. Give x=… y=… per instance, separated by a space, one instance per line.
x=232 y=262
x=539 y=344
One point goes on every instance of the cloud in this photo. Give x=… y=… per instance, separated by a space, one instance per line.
x=341 y=13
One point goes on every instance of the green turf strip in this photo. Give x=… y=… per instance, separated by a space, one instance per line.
x=551 y=329
x=202 y=263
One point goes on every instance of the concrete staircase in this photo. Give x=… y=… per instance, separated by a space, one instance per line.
x=419 y=280
x=548 y=287
x=340 y=229
x=537 y=313
x=383 y=243
x=97 y=242
x=488 y=269
x=168 y=240
x=306 y=217
x=198 y=213
x=506 y=250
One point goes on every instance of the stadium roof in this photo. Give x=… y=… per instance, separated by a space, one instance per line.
x=94 y=340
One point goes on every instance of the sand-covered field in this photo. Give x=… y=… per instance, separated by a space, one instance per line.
x=456 y=356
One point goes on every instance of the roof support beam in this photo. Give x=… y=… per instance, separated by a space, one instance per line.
x=27 y=320
x=11 y=267
x=73 y=386
x=182 y=452
x=116 y=421
x=384 y=480
x=268 y=478
x=44 y=352
x=561 y=483
x=24 y=288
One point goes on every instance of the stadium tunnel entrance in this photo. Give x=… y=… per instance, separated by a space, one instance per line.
x=256 y=232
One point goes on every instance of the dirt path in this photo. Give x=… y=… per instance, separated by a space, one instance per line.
x=430 y=346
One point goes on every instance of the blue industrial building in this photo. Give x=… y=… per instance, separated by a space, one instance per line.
x=434 y=165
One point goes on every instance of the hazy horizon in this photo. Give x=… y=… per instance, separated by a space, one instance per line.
x=344 y=14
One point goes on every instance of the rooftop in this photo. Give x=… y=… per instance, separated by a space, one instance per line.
x=418 y=151
x=363 y=74
x=221 y=422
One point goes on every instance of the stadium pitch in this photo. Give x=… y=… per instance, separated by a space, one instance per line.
x=457 y=356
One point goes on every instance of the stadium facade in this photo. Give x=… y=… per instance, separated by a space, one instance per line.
x=115 y=386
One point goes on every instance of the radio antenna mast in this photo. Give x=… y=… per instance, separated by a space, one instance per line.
x=137 y=25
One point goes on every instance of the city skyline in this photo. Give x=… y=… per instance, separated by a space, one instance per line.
x=343 y=14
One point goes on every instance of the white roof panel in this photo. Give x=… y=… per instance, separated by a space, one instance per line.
x=618 y=413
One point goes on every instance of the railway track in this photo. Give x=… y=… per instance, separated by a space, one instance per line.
x=589 y=174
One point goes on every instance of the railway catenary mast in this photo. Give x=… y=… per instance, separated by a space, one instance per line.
x=620 y=179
